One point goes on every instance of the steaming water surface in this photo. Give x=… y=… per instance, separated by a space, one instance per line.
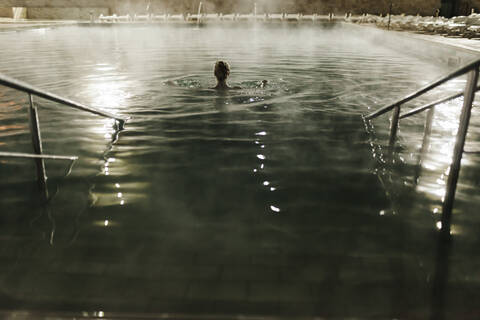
x=256 y=201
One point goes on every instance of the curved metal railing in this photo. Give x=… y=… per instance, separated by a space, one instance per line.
x=38 y=155
x=25 y=87
x=459 y=72
x=469 y=95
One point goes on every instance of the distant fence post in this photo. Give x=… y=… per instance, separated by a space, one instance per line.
x=19 y=13
x=390 y=15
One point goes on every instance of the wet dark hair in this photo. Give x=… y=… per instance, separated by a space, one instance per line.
x=221 y=70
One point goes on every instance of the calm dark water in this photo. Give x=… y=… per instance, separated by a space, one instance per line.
x=258 y=201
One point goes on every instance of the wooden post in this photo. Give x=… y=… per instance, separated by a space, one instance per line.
x=390 y=15
x=199 y=13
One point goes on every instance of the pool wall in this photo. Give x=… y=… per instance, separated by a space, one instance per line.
x=430 y=49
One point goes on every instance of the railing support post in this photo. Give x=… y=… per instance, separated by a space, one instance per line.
x=37 y=144
x=394 y=127
x=458 y=151
x=428 y=129
x=425 y=142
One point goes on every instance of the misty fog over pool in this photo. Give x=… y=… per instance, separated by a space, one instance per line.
x=272 y=201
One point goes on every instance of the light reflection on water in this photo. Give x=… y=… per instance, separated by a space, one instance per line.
x=435 y=162
x=440 y=151
x=274 y=182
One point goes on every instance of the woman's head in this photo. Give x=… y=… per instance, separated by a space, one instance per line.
x=221 y=70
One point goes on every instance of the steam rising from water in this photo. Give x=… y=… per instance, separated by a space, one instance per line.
x=247 y=6
x=285 y=180
x=231 y=6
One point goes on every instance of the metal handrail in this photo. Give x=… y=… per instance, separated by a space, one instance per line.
x=25 y=87
x=36 y=156
x=433 y=104
x=39 y=157
x=471 y=88
x=425 y=89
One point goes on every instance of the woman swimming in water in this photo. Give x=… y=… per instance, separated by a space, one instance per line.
x=221 y=72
